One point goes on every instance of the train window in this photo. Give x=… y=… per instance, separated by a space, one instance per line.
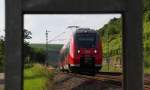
x=86 y=41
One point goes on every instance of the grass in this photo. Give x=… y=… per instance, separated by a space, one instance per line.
x=147 y=70
x=36 y=77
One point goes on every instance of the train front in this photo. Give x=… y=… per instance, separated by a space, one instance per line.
x=87 y=50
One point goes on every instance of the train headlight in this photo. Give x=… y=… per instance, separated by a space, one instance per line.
x=78 y=51
x=95 y=51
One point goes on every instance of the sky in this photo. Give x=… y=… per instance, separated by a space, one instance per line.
x=57 y=24
x=2 y=17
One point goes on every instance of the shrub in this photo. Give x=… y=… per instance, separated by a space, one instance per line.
x=147 y=61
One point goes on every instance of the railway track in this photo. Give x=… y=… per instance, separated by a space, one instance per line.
x=112 y=79
x=146 y=83
x=146 y=87
x=109 y=79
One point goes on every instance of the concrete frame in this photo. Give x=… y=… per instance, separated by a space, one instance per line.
x=132 y=34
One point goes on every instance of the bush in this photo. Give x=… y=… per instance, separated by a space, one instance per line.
x=147 y=61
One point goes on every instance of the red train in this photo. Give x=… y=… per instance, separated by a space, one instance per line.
x=83 y=52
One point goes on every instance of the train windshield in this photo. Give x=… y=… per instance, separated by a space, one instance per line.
x=86 y=40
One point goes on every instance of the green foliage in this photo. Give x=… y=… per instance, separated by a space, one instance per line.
x=146 y=5
x=36 y=77
x=147 y=61
x=26 y=47
x=147 y=16
x=147 y=70
x=51 y=47
x=32 y=54
x=146 y=10
x=111 y=37
x=110 y=69
x=113 y=27
x=2 y=56
x=146 y=35
x=146 y=47
x=38 y=55
x=111 y=33
x=27 y=34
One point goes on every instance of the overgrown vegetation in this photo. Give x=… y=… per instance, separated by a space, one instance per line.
x=2 y=56
x=52 y=55
x=111 y=37
x=146 y=35
x=32 y=54
x=36 y=77
x=110 y=68
x=111 y=33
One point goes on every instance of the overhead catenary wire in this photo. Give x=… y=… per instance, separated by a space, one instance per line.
x=55 y=38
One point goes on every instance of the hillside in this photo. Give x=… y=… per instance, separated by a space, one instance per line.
x=111 y=37
x=112 y=32
x=51 y=47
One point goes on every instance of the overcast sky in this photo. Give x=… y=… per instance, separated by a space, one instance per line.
x=57 y=24
x=2 y=21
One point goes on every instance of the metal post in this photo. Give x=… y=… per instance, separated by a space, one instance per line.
x=46 y=48
x=132 y=33
x=46 y=40
x=132 y=46
x=14 y=44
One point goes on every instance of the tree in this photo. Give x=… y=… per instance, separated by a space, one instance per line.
x=27 y=48
x=32 y=54
x=2 y=56
x=27 y=34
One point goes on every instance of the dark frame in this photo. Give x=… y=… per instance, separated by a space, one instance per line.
x=132 y=34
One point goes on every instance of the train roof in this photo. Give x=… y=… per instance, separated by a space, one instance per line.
x=79 y=30
x=85 y=30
